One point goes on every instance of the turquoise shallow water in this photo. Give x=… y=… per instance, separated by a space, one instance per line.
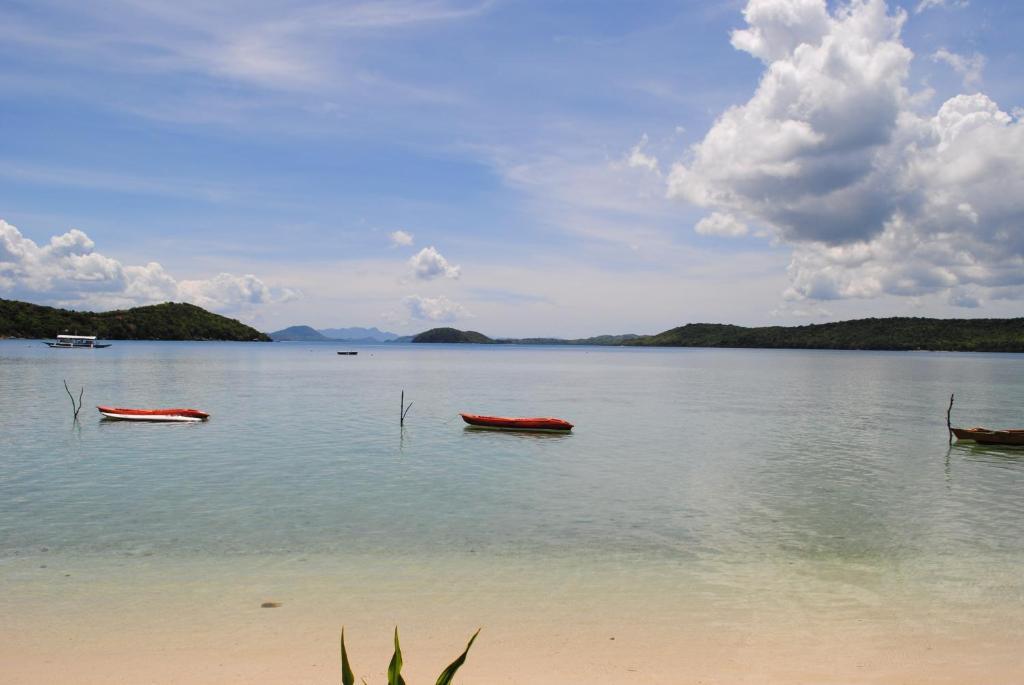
x=722 y=477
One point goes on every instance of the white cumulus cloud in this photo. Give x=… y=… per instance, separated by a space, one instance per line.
x=428 y=264
x=720 y=224
x=832 y=155
x=439 y=309
x=67 y=271
x=400 y=238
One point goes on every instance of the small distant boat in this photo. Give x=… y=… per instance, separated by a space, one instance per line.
x=348 y=353
x=518 y=424
x=124 y=414
x=77 y=342
x=985 y=436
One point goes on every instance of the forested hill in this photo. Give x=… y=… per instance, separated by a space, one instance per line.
x=169 y=321
x=955 y=335
x=450 y=335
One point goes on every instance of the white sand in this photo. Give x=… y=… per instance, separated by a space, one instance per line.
x=136 y=623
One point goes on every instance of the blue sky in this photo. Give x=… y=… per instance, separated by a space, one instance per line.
x=519 y=168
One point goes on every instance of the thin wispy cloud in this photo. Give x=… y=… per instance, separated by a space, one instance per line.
x=969 y=67
x=116 y=182
x=924 y=5
x=299 y=46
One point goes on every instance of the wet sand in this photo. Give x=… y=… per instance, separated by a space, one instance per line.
x=144 y=621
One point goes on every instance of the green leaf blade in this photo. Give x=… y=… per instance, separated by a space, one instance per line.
x=448 y=674
x=346 y=671
x=395 y=667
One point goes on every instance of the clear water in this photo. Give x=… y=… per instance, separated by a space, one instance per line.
x=719 y=478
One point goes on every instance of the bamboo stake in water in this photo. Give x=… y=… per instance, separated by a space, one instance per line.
x=73 y=407
x=403 y=410
x=949 y=426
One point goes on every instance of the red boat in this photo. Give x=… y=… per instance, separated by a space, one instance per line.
x=517 y=424
x=985 y=436
x=123 y=414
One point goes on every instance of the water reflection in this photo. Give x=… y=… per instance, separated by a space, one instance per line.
x=1004 y=456
x=108 y=424
x=509 y=434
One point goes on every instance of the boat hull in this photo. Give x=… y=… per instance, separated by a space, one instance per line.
x=538 y=424
x=58 y=346
x=153 y=415
x=984 y=436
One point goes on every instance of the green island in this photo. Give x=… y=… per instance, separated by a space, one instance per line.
x=168 y=321
x=451 y=335
x=895 y=333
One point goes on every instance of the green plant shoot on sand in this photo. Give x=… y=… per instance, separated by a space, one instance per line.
x=395 y=667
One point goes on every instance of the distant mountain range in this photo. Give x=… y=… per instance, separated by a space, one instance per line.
x=352 y=334
x=357 y=333
x=297 y=333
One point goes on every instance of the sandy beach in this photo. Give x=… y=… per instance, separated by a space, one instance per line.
x=134 y=623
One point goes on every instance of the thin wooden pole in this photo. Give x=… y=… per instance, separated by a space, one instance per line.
x=403 y=410
x=949 y=425
x=73 y=407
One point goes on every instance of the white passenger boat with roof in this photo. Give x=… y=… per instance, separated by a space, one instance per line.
x=77 y=342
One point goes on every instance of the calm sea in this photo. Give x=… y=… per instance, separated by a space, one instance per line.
x=722 y=481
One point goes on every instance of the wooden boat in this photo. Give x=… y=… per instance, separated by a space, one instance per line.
x=77 y=342
x=517 y=424
x=125 y=414
x=985 y=436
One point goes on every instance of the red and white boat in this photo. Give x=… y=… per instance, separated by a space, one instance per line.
x=507 y=423
x=125 y=414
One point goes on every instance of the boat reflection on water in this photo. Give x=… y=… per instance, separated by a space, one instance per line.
x=1000 y=455
x=507 y=434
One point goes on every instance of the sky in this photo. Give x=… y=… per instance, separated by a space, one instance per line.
x=517 y=167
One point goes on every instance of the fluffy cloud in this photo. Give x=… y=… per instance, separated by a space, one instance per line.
x=67 y=271
x=725 y=225
x=831 y=155
x=439 y=309
x=428 y=264
x=400 y=239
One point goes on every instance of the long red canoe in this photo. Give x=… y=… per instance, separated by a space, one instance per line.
x=125 y=414
x=984 y=436
x=517 y=424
